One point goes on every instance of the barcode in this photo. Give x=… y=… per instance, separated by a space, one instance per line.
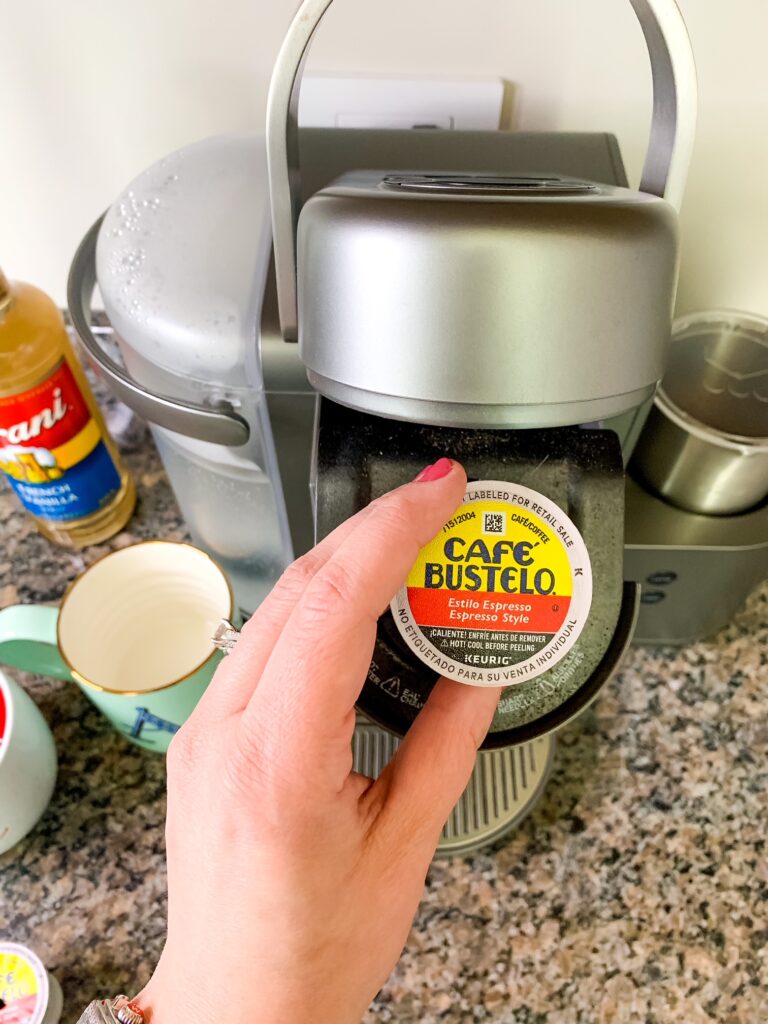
x=493 y=522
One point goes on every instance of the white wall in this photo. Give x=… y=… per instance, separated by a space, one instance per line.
x=94 y=90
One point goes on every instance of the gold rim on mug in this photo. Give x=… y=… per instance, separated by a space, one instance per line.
x=102 y=558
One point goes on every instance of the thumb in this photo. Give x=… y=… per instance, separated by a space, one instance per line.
x=431 y=769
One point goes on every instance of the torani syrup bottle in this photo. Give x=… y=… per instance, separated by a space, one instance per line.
x=54 y=446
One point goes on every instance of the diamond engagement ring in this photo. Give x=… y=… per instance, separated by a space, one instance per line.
x=225 y=637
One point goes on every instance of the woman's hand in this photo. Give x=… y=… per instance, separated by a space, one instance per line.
x=292 y=880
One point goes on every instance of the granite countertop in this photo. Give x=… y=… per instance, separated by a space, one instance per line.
x=636 y=892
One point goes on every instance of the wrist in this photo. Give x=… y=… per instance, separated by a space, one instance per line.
x=156 y=1001
x=161 y=1005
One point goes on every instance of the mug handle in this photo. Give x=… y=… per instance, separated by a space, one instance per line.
x=28 y=640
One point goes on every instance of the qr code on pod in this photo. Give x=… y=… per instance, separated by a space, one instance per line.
x=493 y=522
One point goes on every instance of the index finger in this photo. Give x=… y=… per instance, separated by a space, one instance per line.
x=318 y=665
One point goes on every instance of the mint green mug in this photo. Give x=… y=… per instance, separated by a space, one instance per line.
x=134 y=632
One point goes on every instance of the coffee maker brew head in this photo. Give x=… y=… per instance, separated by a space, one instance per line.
x=484 y=301
x=486 y=317
x=664 y=170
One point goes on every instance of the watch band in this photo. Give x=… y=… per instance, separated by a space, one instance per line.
x=119 y=1010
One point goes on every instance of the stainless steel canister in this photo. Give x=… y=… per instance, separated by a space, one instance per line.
x=704 y=447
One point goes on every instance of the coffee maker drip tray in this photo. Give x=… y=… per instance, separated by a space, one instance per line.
x=503 y=789
x=359 y=457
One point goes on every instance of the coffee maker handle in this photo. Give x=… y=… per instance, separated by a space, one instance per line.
x=664 y=170
x=218 y=423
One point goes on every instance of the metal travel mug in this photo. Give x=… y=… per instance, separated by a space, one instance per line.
x=704 y=447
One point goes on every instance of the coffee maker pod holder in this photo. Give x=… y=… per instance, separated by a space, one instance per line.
x=360 y=457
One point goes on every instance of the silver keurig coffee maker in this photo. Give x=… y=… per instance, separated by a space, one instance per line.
x=516 y=321
x=500 y=297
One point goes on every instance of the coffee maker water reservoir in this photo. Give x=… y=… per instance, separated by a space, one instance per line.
x=181 y=268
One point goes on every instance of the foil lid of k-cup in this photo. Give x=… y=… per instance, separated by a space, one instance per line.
x=502 y=593
x=28 y=994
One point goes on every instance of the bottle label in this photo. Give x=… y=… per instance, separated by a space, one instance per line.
x=502 y=593
x=53 y=452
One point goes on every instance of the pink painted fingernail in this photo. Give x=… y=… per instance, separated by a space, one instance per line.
x=436 y=471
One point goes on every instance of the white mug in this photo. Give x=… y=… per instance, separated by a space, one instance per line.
x=27 y=763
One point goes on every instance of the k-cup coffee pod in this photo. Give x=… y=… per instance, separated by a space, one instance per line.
x=503 y=592
x=28 y=993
